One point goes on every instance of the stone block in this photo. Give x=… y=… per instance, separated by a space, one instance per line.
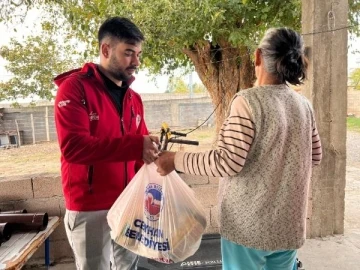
x=45 y=186
x=207 y=215
x=211 y=230
x=59 y=249
x=52 y=206
x=62 y=206
x=194 y=179
x=13 y=190
x=59 y=233
x=214 y=180
x=314 y=228
x=7 y=206
x=214 y=216
x=207 y=195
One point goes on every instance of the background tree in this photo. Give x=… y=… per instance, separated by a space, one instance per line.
x=355 y=79
x=199 y=88
x=354 y=16
x=216 y=37
x=177 y=85
x=34 y=63
x=35 y=60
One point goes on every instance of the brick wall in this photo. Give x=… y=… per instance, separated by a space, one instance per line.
x=43 y=193
x=38 y=194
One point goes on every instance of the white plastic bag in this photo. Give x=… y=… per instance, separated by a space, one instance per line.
x=158 y=217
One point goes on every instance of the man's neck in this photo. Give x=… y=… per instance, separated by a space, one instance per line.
x=107 y=74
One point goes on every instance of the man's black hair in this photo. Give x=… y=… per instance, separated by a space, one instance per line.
x=121 y=28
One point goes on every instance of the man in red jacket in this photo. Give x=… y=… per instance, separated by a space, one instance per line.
x=103 y=140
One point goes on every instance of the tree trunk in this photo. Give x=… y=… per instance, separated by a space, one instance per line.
x=224 y=70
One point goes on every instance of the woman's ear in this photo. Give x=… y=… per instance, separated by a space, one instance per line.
x=257 y=57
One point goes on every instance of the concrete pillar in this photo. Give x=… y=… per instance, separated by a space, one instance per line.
x=32 y=128
x=47 y=124
x=326 y=41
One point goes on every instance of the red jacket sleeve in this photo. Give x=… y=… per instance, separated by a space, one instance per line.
x=144 y=131
x=73 y=129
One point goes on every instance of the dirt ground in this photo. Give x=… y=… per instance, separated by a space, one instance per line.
x=330 y=253
x=45 y=157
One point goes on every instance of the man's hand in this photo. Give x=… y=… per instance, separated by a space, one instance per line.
x=165 y=162
x=150 y=150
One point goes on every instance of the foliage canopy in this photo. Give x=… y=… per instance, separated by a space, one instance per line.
x=217 y=37
x=355 y=79
x=33 y=64
x=170 y=26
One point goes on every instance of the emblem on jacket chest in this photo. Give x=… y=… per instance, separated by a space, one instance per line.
x=138 y=120
x=63 y=103
x=94 y=116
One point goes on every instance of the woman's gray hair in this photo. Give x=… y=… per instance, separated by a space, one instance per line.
x=283 y=55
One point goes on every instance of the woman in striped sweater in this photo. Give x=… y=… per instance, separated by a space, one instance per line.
x=265 y=152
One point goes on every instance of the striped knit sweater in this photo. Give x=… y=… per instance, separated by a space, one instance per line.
x=265 y=152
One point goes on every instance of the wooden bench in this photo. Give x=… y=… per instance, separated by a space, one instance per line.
x=15 y=252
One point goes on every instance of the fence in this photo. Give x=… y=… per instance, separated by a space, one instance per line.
x=354 y=103
x=36 y=124
x=32 y=125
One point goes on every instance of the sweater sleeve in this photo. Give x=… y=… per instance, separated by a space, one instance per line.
x=316 y=146
x=233 y=144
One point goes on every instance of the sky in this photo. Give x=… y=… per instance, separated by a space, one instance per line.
x=143 y=83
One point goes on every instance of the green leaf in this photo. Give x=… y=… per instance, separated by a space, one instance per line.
x=178 y=34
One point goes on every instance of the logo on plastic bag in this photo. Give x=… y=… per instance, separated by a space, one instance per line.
x=153 y=198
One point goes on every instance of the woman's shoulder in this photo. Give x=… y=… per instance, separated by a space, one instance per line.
x=247 y=91
x=256 y=90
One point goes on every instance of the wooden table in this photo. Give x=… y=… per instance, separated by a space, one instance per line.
x=15 y=252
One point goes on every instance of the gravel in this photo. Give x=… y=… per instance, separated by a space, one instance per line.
x=353 y=148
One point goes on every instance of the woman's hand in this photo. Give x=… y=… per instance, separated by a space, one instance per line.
x=165 y=162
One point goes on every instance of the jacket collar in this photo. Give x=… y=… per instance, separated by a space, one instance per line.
x=89 y=69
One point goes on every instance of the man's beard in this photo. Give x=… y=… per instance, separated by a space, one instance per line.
x=117 y=73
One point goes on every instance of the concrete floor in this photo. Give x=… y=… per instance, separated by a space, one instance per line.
x=330 y=253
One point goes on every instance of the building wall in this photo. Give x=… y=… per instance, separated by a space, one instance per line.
x=43 y=193
x=354 y=103
x=178 y=111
